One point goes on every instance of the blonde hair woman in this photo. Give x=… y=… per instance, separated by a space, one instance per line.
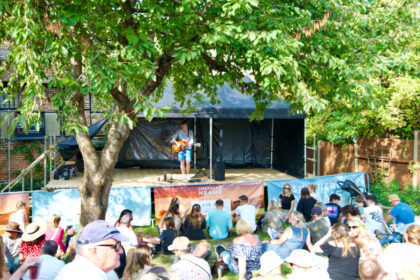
x=273 y=218
x=244 y=255
x=369 y=246
x=293 y=238
x=342 y=252
x=287 y=202
x=56 y=233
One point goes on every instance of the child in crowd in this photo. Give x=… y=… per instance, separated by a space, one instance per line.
x=360 y=203
x=166 y=237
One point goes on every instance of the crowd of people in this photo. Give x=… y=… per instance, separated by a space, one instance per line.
x=319 y=241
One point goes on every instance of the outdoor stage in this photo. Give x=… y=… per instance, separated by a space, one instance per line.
x=134 y=177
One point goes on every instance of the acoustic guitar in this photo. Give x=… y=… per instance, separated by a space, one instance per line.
x=182 y=146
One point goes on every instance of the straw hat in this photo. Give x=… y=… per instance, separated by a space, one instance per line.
x=12 y=227
x=269 y=261
x=33 y=232
x=393 y=197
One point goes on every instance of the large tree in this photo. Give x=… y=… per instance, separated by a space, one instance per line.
x=308 y=52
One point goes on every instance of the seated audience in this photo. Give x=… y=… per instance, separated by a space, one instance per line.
x=202 y=250
x=125 y=228
x=12 y=240
x=401 y=259
x=349 y=212
x=324 y=213
x=374 y=217
x=194 y=224
x=98 y=253
x=173 y=212
x=293 y=237
x=319 y=227
x=139 y=259
x=273 y=218
x=304 y=266
x=32 y=240
x=312 y=191
x=20 y=216
x=50 y=265
x=401 y=214
x=219 y=222
x=287 y=202
x=245 y=211
x=244 y=255
x=124 y=213
x=370 y=269
x=166 y=237
x=157 y=273
x=342 y=252
x=369 y=246
x=334 y=210
x=305 y=204
x=56 y=233
x=270 y=267
x=189 y=266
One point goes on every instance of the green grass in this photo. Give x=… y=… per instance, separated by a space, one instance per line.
x=166 y=260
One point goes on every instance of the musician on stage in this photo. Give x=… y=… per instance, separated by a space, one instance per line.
x=184 y=155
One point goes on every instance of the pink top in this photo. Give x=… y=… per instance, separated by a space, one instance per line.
x=57 y=237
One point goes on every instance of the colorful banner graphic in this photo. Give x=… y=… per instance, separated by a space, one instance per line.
x=207 y=194
x=66 y=203
x=8 y=206
x=327 y=185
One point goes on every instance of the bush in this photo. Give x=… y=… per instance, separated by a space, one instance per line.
x=407 y=194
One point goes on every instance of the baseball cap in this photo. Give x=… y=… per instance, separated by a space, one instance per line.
x=98 y=231
x=180 y=243
x=316 y=211
x=301 y=258
x=269 y=261
x=393 y=197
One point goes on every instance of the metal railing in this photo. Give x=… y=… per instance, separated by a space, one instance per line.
x=315 y=159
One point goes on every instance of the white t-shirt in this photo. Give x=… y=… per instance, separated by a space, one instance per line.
x=374 y=218
x=129 y=234
x=81 y=269
x=247 y=212
x=400 y=256
x=19 y=218
x=49 y=268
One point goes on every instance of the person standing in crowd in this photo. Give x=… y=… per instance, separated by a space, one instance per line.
x=349 y=212
x=50 y=265
x=122 y=214
x=334 y=210
x=56 y=233
x=194 y=224
x=98 y=252
x=245 y=253
x=304 y=266
x=188 y=267
x=32 y=240
x=273 y=218
x=139 y=259
x=12 y=240
x=173 y=212
x=245 y=211
x=166 y=237
x=319 y=227
x=270 y=267
x=401 y=214
x=312 y=191
x=342 y=252
x=371 y=270
x=369 y=246
x=20 y=216
x=126 y=230
x=293 y=238
x=305 y=204
x=374 y=217
x=219 y=222
x=287 y=202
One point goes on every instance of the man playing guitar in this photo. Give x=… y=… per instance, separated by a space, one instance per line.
x=184 y=140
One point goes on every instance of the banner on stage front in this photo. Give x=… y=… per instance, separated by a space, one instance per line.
x=66 y=203
x=8 y=203
x=206 y=195
x=327 y=185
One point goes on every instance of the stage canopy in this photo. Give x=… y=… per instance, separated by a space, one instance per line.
x=275 y=142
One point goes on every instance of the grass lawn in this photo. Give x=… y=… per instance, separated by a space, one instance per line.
x=166 y=260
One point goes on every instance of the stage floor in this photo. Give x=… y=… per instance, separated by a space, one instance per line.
x=134 y=177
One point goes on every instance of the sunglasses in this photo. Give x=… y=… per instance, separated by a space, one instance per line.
x=116 y=246
x=286 y=189
x=353 y=227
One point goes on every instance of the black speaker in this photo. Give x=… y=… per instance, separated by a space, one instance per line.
x=220 y=165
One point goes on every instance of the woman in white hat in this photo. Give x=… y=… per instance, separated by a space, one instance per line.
x=32 y=240
x=304 y=266
x=270 y=267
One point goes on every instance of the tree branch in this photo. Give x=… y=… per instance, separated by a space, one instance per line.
x=164 y=64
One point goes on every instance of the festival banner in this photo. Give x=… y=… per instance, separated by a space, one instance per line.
x=327 y=185
x=206 y=195
x=66 y=203
x=8 y=206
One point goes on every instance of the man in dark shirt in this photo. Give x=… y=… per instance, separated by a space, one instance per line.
x=334 y=210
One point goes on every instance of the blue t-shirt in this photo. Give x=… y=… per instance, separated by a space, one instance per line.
x=219 y=223
x=402 y=213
